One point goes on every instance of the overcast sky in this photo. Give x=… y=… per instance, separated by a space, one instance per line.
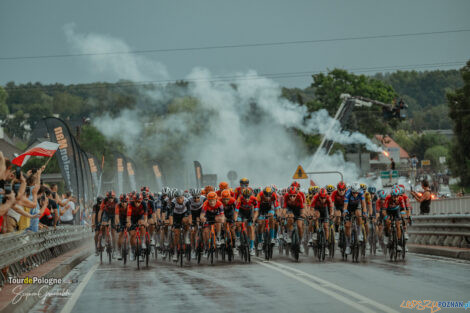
x=37 y=28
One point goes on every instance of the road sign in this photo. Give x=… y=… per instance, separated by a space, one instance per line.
x=425 y=162
x=386 y=174
x=232 y=175
x=300 y=173
x=442 y=159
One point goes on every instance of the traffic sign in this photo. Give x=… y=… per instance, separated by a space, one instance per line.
x=425 y=162
x=300 y=173
x=386 y=174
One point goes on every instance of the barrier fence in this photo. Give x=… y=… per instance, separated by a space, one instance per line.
x=460 y=205
x=21 y=252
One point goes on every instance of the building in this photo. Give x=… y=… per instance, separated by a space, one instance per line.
x=7 y=147
x=382 y=162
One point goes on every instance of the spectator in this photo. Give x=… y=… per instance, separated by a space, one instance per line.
x=392 y=168
x=424 y=199
x=67 y=214
x=53 y=208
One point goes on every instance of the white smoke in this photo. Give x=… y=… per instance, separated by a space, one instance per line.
x=248 y=127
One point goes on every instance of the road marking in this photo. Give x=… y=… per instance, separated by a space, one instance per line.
x=78 y=291
x=333 y=294
x=326 y=283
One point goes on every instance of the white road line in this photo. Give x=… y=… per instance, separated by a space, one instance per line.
x=333 y=294
x=78 y=291
x=353 y=294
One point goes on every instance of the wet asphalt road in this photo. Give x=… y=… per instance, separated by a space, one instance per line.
x=375 y=285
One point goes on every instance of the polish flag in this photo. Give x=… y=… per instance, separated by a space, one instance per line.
x=45 y=149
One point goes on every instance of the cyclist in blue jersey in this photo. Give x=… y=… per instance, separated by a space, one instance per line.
x=354 y=203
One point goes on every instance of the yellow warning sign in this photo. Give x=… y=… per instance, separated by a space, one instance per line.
x=300 y=173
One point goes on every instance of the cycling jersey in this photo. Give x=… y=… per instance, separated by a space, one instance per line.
x=180 y=208
x=247 y=205
x=294 y=206
x=367 y=197
x=394 y=206
x=96 y=209
x=165 y=205
x=265 y=206
x=108 y=206
x=354 y=203
x=229 y=209
x=212 y=211
x=406 y=201
x=338 y=200
x=121 y=211
x=219 y=193
x=238 y=191
x=196 y=206
x=322 y=207
x=150 y=206
x=136 y=213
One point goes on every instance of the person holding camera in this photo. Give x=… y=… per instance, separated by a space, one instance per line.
x=68 y=213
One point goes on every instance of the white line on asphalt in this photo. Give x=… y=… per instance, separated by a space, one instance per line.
x=78 y=291
x=339 y=288
x=333 y=294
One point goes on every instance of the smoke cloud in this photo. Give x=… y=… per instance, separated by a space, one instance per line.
x=245 y=125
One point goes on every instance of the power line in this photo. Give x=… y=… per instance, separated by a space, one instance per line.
x=243 y=45
x=244 y=77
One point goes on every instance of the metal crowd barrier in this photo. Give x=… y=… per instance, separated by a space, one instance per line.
x=21 y=252
x=460 y=205
x=451 y=230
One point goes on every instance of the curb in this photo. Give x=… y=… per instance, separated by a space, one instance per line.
x=440 y=251
x=58 y=272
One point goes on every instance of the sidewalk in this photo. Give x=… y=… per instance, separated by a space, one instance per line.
x=449 y=252
x=55 y=268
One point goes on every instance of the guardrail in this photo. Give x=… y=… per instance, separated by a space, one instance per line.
x=460 y=205
x=21 y=252
x=441 y=230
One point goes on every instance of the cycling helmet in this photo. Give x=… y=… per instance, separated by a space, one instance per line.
x=223 y=185
x=382 y=194
x=363 y=187
x=146 y=189
x=395 y=191
x=295 y=184
x=316 y=189
x=292 y=191
x=195 y=192
x=330 y=188
x=123 y=198
x=244 y=182
x=323 y=193
x=402 y=188
x=246 y=193
x=372 y=190
x=165 y=190
x=226 y=194
x=211 y=196
x=178 y=193
x=355 y=187
x=110 y=194
x=208 y=189
x=99 y=199
x=268 y=192
x=341 y=185
x=138 y=197
x=256 y=191
x=311 y=190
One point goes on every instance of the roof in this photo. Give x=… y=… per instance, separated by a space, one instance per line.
x=8 y=149
x=388 y=142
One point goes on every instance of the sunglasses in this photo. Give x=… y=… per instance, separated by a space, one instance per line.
x=292 y=196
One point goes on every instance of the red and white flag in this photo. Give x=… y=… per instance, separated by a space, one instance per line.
x=45 y=149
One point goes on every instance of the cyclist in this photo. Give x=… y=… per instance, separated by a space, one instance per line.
x=196 y=201
x=267 y=205
x=212 y=213
x=353 y=202
x=106 y=216
x=244 y=183
x=394 y=206
x=297 y=186
x=120 y=220
x=330 y=189
x=180 y=216
x=148 y=201
x=163 y=216
x=294 y=205
x=368 y=200
x=230 y=205
x=95 y=222
x=136 y=217
x=380 y=213
x=407 y=203
x=312 y=191
x=246 y=209
x=337 y=197
x=323 y=207
x=222 y=186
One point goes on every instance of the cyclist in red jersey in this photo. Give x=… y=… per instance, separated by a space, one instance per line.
x=408 y=208
x=120 y=220
x=394 y=206
x=224 y=186
x=247 y=209
x=212 y=213
x=380 y=213
x=337 y=197
x=323 y=207
x=106 y=215
x=297 y=186
x=267 y=205
x=295 y=207
x=244 y=183
x=230 y=205
x=136 y=217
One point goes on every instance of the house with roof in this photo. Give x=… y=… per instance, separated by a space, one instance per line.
x=394 y=150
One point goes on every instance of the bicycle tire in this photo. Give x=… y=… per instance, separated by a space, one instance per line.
x=296 y=246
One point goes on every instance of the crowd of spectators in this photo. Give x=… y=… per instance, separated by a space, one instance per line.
x=27 y=204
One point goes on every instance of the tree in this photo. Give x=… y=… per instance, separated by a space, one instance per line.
x=434 y=153
x=3 y=105
x=459 y=107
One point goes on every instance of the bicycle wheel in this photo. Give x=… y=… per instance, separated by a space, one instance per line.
x=403 y=244
x=124 y=249
x=332 y=242
x=295 y=244
x=137 y=253
x=100 y=247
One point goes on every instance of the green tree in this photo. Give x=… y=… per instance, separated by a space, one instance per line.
x=434 y=153
x=3 y=105
x=459 y=107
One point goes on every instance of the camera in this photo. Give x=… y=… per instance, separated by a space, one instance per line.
x=18 y=173
x=7 y=189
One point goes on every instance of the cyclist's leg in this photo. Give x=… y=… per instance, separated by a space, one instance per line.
x=260 y=229
x=187 y=220
x=325 y=216
x=359 y=220
x=271 y=224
